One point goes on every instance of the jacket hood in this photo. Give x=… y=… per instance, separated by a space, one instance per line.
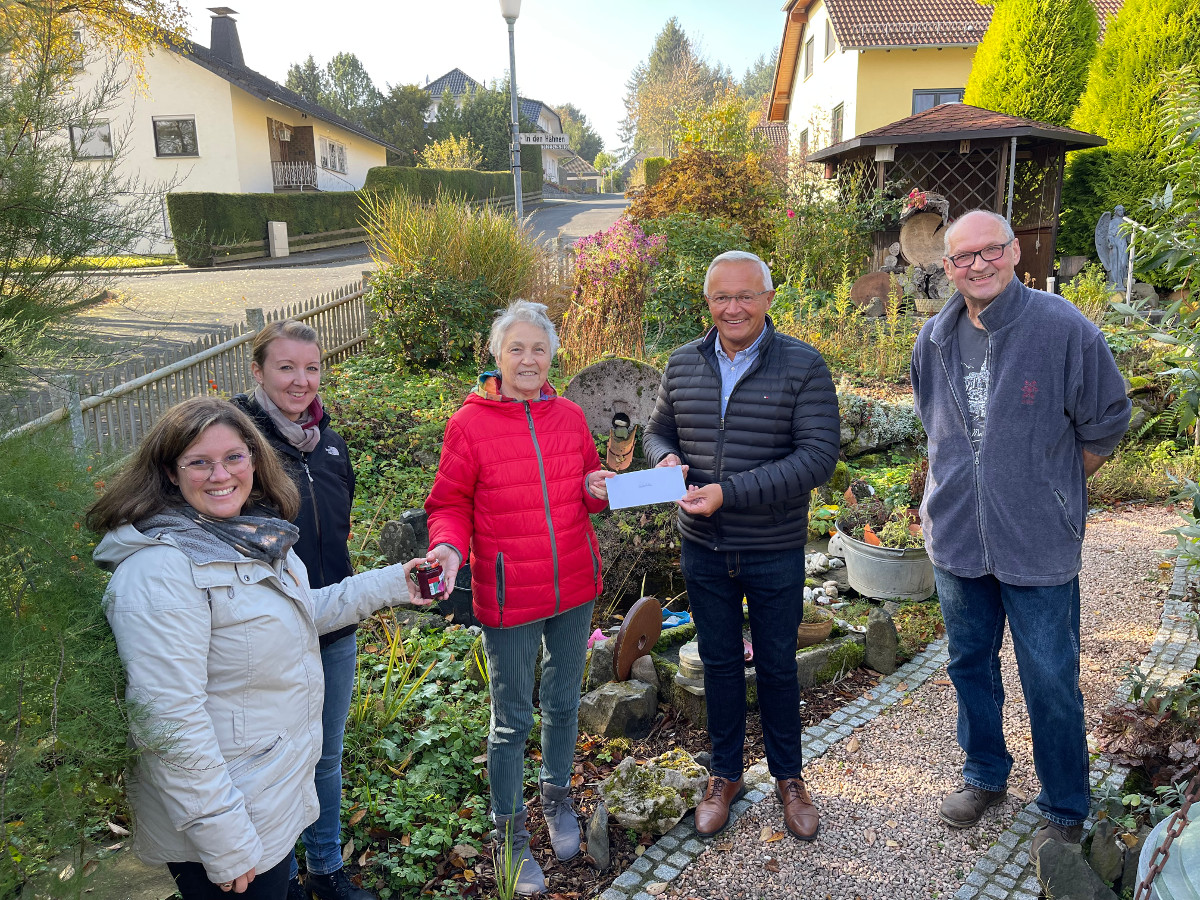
x=120 y=544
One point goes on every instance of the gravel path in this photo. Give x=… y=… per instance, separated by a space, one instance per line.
x=878 y=790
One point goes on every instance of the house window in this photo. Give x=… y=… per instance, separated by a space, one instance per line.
x=835 y=124
x=175 y=136
x=810 y=50
x=92 y=141
x=333 y=156
x=928 y=99
x=803 y=142
x=830 y=40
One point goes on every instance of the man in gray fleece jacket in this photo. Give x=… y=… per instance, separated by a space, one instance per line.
x=1022 y=401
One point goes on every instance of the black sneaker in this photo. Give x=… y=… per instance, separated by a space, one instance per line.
x=296 y=891
x=966 y=806
x=336 y=886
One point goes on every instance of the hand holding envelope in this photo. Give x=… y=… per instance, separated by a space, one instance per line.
x=660 y=485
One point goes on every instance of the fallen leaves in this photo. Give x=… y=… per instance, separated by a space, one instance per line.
x=118 y=830
x=657 y=888
x=870 y=837
x=772 y=865
x=853 y=745
x=769 y=835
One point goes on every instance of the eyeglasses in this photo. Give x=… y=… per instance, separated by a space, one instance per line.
x=726 y=299
x=200 y=470
x=987 y=254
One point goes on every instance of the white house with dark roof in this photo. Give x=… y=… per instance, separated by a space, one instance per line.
x=457 y=84
x=206 y=122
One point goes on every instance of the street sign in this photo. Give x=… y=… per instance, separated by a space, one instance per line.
x=546 y=140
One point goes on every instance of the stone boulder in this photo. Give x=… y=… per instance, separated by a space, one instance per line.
x=643 y=670
x=653 y=797
x=599 y=847
x=602 y=666
x=405 y=537
x=619 y=709
x=871 y=425
x=1065 y=875
x=882 y=642
x=1106 y=856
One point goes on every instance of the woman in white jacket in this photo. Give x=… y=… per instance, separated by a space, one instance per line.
x=217 y=628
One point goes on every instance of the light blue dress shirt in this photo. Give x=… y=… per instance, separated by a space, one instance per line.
x=732 y=370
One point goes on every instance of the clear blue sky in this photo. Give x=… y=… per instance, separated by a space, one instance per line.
x=567 y=51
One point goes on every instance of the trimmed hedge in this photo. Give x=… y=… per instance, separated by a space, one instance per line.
x=201 y=220
x=467 y=183
x=653 y=167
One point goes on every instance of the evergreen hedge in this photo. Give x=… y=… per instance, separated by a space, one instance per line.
x=1033 y=60
x=201 y=220
x=1147 y=41
x=653 y=167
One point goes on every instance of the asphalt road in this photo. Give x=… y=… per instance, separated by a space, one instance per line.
x=159 y=311
x=574 y=219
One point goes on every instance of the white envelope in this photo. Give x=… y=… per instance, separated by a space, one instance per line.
x=660 y=485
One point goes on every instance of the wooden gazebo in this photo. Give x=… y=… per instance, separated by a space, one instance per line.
x=976 y=159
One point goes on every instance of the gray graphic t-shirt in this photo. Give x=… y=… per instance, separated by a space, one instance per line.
x=973 y=347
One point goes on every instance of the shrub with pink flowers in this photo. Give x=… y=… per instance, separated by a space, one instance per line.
x=612 y=277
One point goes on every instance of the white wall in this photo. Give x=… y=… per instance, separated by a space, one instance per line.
x=834 y=80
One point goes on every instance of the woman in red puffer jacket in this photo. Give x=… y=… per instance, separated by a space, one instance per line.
x=518 y=476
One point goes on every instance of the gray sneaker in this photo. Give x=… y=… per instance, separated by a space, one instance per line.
x=966 y=806
x=1062 y=834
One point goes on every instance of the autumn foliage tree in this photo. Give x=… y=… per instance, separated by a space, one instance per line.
x=738 y=188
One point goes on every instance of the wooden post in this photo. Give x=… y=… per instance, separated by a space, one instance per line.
x=1012 y=172
x=66 y=394
x=255 y=320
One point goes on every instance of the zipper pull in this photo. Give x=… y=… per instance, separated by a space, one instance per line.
x=307 y=472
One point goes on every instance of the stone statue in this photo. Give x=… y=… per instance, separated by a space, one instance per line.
x=1113 y=247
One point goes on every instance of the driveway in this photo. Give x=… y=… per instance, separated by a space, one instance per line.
x=162 y=311
x=573 y=219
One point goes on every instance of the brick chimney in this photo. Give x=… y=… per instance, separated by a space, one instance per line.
x=225 y=43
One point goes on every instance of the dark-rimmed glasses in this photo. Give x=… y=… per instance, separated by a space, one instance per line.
x=200 y=470
x=991 y=253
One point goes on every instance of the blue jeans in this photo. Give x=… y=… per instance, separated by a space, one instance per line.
x=772 y=581
x=1044 y=622
x=323 y=838
x=511 y=656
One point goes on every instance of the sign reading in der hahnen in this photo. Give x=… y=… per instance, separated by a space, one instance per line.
x=546 y=140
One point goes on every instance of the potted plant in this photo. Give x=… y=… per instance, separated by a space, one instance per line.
x=815 y=627
x=885 y=548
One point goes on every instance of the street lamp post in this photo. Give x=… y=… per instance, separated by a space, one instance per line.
x=510 y=9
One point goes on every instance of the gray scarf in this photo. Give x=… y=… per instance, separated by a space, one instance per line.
x=204 y=539
x=304 y=435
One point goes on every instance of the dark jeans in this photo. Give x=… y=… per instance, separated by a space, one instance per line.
x=772 y=581
x=193 y=883
x=1044 y=622
x=323 y=838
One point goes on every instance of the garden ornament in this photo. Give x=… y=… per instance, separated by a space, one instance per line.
x=639 y=632
x=1113 y=247
x=620 y=442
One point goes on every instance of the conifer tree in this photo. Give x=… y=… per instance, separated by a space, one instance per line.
x=1148 y=42
x=1033 y=61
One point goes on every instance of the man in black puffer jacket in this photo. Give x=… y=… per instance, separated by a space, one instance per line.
x=753 y=415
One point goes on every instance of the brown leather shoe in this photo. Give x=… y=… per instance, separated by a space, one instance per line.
x=712 y=813
x=799 y=814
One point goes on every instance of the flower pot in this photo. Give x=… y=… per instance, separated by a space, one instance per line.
x=887 y=573
x=809 y=633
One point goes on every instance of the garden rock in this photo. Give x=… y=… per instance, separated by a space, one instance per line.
x=405 y=537
x=1129 y=877
x=1106 y=858
x=1064 y=875
x=1145 y=294
x=831 y=589
x=652 y=798
x=619 y=709
x=816 y=564
x=598 y=846
x=602 y=666
x=882 y=642
x=837 y=546
x=643 y=670
x=871 y=425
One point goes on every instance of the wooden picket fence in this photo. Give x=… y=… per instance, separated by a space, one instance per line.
x=115 y=407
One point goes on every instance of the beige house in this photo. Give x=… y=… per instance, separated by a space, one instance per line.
x=850 y=66
x=206 y=122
